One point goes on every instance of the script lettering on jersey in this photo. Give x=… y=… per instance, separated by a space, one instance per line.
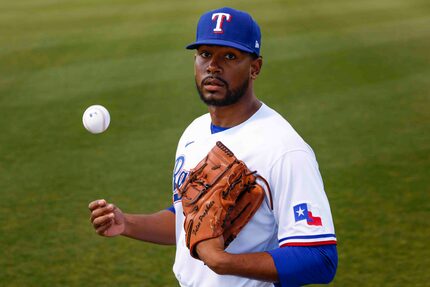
x=220 y=18
x=205 y=212
x=179 y=176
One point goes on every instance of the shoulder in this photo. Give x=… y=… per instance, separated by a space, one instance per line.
x=264 y=140
x=274 y=134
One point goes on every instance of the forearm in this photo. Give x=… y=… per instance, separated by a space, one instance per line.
x=157 y=227
x=290 y=266
x=259 y=266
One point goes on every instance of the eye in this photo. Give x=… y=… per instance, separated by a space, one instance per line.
x=230 y=56
x=205 y=54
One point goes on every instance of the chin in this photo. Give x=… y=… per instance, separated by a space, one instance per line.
x=214 y=97
x=219 y=98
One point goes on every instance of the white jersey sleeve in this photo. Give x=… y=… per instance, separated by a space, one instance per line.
x=300 y=203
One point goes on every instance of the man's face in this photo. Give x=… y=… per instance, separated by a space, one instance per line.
x=222 y=74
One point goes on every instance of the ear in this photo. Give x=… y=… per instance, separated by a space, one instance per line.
x=256 y=65
x=195 y=72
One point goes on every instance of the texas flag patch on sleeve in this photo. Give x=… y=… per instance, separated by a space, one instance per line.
x=303 y=212
x=307 y=225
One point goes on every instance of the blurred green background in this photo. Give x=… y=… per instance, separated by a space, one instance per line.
x=353 y=78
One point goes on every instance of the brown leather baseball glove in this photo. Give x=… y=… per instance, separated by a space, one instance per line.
x=219 y=197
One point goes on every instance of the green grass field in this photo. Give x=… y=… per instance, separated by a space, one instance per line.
x=353 y=77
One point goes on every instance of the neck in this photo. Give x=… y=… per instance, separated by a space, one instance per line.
x=235 y=114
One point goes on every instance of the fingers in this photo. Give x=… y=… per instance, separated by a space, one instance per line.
x=103 y=220
x=106 y=218
x=102 y=215
x=103 y=223
x=101 y=211
x=96 y=204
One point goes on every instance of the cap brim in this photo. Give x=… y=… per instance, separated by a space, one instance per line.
x=217 y=42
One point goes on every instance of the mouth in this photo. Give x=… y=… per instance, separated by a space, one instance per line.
x=213 y=84
x=212 y=81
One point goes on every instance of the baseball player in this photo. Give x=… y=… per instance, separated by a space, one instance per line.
x=289 y=240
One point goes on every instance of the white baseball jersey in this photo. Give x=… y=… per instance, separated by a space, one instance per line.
x=301 y=215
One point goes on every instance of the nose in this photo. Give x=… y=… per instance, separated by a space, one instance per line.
x=213 y=67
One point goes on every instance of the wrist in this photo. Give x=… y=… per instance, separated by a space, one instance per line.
x=127 y=224
x=217 y=261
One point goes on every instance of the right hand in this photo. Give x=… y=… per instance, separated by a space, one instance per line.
x=107 y=219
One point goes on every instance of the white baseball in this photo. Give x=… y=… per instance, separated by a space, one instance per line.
x=96 y=119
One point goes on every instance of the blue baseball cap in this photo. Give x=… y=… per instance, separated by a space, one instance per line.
x=228 y=27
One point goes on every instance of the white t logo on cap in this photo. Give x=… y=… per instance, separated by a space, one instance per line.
x=220 y=17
